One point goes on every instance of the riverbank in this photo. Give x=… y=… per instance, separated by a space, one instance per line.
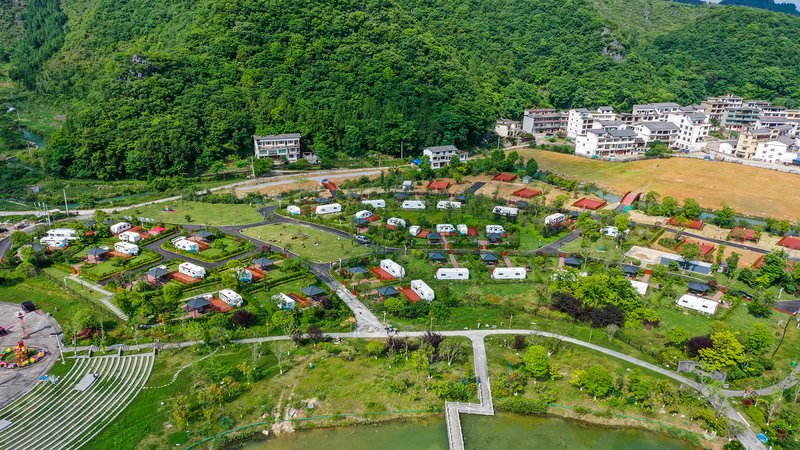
x=258 y=437
x=506 y=430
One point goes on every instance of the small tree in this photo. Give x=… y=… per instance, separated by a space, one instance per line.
x=451 y=350
x=537 y=361
x=243 y=318
x=315 y=333
x=376 y=348
x=188 y=218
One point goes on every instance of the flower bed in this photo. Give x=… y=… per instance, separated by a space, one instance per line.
x=39 y=354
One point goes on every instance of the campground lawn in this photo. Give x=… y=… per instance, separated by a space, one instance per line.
x=214 y=214
x=308 y=242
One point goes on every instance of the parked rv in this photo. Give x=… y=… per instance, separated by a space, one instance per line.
x=462 y=229
x=414 y=230
x=130 y=236
x=396 y=222
x=126 y=248
x=509 y=273
x=413 y=204
x=445 y=228
x=445 y=204
x=506 y=211
x=495 y=229
x=423 y=290
x=293 y=210
x=187 y=245
x=393 y=268
x=364 y=214
x=378 y=203
x=332 y=208
x=231 y=298
x=192 y=270
x=64 y=233
x=554 y=219
x=452 y=274
x=120 y=227
x=610 y=231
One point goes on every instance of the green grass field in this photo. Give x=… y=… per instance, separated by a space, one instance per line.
x=308 y=242
x=110 y=267
x=214 y=214
x=48 y=297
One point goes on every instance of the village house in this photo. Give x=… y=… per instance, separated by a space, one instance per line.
x=278 y=146
x=715 y=106
x=97 y=255
x=543 y=120
x=740 y=118
x=507 y=128
x=606 y=143
x=693 y=130
x=440 y=156
x=650 y=131
x=781 y=150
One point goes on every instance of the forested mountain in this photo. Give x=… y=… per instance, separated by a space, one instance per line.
x=165 y=87
x=771 y=5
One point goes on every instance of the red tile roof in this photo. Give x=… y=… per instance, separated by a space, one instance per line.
x=629 y=198
x=743 y=234
x=382 y=274
x=527 y=193
x=696 y=224
x=791 y=242
x=505 y=176
x=410 y=294
x=440 y=185
x=589 y=203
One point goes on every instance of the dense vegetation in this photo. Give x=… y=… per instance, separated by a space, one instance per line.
x=162 y=88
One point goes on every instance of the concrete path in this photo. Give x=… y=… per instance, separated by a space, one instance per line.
x=105 y=300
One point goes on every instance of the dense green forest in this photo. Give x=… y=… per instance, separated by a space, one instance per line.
x=771 y=5
x=168 y=87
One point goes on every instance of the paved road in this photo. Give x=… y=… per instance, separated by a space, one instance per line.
x=555 y=246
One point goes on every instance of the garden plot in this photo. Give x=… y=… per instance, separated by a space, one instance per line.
x=57 y=415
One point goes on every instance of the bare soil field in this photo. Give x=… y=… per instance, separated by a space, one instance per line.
x=749 y=190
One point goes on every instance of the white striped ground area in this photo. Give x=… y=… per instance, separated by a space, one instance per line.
x=59 y=416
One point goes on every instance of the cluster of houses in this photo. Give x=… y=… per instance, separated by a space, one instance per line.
x=224 y=301
x=195 y=243
x=768 y=133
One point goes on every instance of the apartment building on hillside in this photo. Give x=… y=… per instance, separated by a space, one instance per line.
x=651 y=131
x=781 y=150
x=715 y=106
x=278 y=146
x=693 y=130
x=740 y=118
x=581 y=120
x=543 y=120
x=601 y=143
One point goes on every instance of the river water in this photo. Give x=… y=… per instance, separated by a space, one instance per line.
x=501 y=432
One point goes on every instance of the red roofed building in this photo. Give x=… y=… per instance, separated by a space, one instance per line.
x=705 y=248
x=589 y=203
x=505 y=176
x=792 y=242
x=527 y=193
x=410 y=294
x=790 y=265
x=696 y=224
x=743 y=234
x=439 y=185
x=629 y=198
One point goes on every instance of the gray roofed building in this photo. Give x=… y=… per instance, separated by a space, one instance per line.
x=197 y=304
x=489 y=257
x=313 y=291
x=157 y=272
x=357 y=269
x=654 y=125
x=263 y=262
x=387 y=291
x=437 y=256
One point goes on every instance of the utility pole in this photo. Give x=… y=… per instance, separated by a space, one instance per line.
x=66 y=206
x=401 y=149
x=253 y=166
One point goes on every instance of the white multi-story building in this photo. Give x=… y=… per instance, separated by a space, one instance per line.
x=440 y=156
x=781 y=150
x=604 y=143
x=693 y=130
x=771 y=122
x=653 y=112
x=278 y=146
x=650 y=131
x=579 y=122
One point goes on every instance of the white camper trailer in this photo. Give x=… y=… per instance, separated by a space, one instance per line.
x=495 y=229
x=423 y=290
x=396 y=222
x=364 y=214
x=413 y=204
x=445 y=228
x=118 y=228
x=377 y=203
x=444 y=204
x=393 y=268
x=63 y=233
x=231 y=298
x=610 y=231
x=506 y=211
x=414 y=230
x=126 y=248
x=554 y=219
x=187 y=245
x=293 y=210
x=509 y=273
x=332 y=208
x=462 y=229
x=283 y=301
x=192 y=270
x=703 y=305
x=640 y=286
x=452 y=274
x=130 y=236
